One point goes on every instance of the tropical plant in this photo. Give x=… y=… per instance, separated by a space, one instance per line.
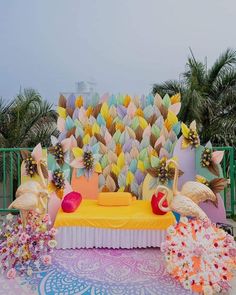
x=208 y=96
x=26 y=121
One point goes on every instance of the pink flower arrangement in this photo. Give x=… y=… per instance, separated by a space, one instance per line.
x=11 y=274
x=47 y=260
x=200 y=256
x=20 y=245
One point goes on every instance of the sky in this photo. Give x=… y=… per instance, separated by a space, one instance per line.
x=123 y=45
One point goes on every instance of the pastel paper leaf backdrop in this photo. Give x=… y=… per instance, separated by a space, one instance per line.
x=131 y=134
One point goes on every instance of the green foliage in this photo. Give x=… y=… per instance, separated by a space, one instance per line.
x=26 y=121
x=208 y=96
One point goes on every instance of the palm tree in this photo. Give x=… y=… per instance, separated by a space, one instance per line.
x=26 y=121
x=208 y=96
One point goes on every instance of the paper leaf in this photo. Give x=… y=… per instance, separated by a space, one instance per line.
x=62 y=101
x=141 y=166
x=37 y=153
x=77 y=163
x=129 y=178
x=175 y=108
x=154 y=161
x=97 y=168
x=158 y=100
x=122 y=180
x=121 y=160
x=61 y=112
x=214 y=169
x=166 y=101
x=86 y=139
x=61 y=124
x=175 y=98
x=185 y=130
x=176 y=128
x=143 y=123
x=69 y=123
x=66 y=144
x=153 y=183
x=110 y=184
x=193 y=125
x=217 y=156
x=77 y=152
x=25 y=154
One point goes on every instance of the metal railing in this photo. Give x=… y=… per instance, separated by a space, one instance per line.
x=229 y=172
x=10 y=176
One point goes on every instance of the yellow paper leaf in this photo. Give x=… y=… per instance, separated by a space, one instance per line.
x=89 y=111
x=129 y=178
x=98 y=168
x=95 y=128
x=185 y=130
x=104 y=110
x=127 y=100
x=51 y=187
x=121 y=160
x=79 y=102
x=78 y=152
x=185 y=143
x=118 y=149
x=88 y=130
x=121 y=189
x=120 y=126
x=115 y=169
x=61 y=112
x=143 y=123
x=172 y=118
x=139 y=112
x=86 y=139
x=175 y=98
x=109 y=121
x=141 y=166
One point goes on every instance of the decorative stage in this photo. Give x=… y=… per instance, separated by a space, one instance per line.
x=100 y=272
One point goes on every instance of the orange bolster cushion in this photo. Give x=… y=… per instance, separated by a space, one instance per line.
x=115 y=199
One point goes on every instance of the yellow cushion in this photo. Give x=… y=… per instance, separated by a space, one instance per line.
x=115 y=199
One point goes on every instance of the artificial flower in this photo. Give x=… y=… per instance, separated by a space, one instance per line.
x=190 y=135
x=207 y=290
x=47 y=260
x=162 y=173
x=29 y=271
x=183 y=219
x=61 y=149
x=202 y=244
x=9 y=217
x=52 y=243
x=171 y=230
x=11 y=274
x=23 y=238
x=87 y=160
x=186 y=284
x=211 y=160
x=57 y=183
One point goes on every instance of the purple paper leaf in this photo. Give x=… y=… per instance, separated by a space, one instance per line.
x=139 y=176
x=121 y=111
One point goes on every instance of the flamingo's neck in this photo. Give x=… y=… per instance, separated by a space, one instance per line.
x=41 y=174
